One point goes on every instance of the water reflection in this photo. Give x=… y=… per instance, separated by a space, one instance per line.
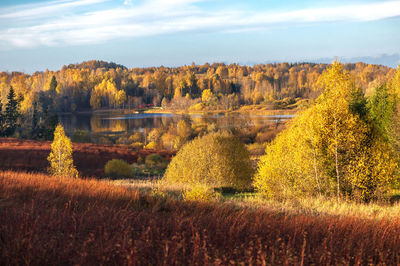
x=108 y=123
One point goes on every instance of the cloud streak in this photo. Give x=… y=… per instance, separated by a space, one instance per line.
x=42 y=25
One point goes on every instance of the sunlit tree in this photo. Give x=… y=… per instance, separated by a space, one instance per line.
x=60 y=158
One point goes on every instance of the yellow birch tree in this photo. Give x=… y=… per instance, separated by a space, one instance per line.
x=60 y=158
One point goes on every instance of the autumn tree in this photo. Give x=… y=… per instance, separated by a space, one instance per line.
x=60 y=158
x=213 y=160
x=333 y=147
x=206 y=95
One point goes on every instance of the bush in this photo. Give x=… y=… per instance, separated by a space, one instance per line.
x=155 y=160
x=196 y=107
x=214 y=160
x=81 y=136
x=151 y=146
x=137 y=145
x=256 y=149
x=198 y=193
x=118 y=168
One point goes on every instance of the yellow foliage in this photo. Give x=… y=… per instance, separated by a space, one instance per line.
x=196 y=107
x=327 y=149
x=198 y=193
x=60 y=158
x=206 y=95
x=214 y=160
x=151 y=146
x=395 y=83
x=184 y=129
x=373 y=169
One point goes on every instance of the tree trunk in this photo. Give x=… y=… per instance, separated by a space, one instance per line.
x=336 y=160
x=316 y=171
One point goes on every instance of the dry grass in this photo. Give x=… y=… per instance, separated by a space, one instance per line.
x=89 y=159
x=313 y=206
x=46 y=221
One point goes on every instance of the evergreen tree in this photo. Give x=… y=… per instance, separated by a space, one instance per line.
x=53 y=83
x=1 y=120
x=60 y=158
x=35 y=122
x=11 y=113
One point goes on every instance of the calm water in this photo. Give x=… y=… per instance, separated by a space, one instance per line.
x=108 y=123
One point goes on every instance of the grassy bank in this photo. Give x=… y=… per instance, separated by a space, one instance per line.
x=245 y=109
x=313 y=206
x=47 y=220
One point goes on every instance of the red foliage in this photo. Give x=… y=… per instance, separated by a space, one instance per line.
x=51 y=221
x=89 y=159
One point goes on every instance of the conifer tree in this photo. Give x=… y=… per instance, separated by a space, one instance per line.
x=1 y=120
x=60 y=158
x=11 y=113
x=53 y=83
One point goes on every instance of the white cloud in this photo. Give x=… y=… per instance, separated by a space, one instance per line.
x=46 y=9
x=154 y=17
x=127 y=2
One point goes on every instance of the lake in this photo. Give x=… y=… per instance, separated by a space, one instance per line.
x=117 y=123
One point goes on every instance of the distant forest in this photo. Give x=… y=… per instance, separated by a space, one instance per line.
x=97 y=85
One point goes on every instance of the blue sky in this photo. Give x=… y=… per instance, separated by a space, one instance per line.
x=39 y=35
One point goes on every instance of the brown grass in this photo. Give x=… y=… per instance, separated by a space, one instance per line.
x=46 y=221
x=89 y=159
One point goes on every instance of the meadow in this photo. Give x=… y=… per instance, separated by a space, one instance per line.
x=325 y=192
x=30 y=155
x=50 y=220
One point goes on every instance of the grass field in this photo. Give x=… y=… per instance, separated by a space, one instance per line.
x=89 y=159
x=46 y=220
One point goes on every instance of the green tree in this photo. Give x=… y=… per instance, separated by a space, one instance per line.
x=60 y=158
x=11 y=114
x=53 y=84
x=2 y=122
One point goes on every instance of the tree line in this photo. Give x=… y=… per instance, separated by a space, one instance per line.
x=96 y=84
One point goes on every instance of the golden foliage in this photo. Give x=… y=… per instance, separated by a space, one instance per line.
x=206 y=95
x=198 y=193
x=328 y=148
x=214 y=160
x=60 y=158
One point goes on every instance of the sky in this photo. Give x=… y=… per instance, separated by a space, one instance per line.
x=38 y=35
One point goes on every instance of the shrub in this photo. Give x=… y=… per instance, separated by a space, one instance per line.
x=198 y=193
x=214 y=160
x=81 y=136
x=137 y=145
x=151 y=146
x=118 y=168
x=256 y=149
x=154 y=160
x=196 y=107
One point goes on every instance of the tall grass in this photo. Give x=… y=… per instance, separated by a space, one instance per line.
x=46 y=220
x=89 y=159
